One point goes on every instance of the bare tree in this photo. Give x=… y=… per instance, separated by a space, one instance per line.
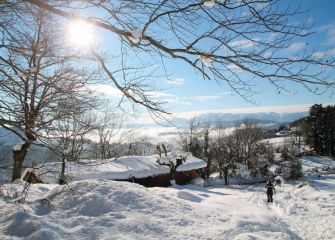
x=37 y=78
x=224 y=151
x=69 y=138
x=248 y=134
x=191 y=138
x=218 y=39
x=207 y=156
x=113 y=135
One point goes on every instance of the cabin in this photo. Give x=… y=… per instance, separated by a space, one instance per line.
x=144 y=170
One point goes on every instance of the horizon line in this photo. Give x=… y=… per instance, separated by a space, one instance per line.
x=266 y=109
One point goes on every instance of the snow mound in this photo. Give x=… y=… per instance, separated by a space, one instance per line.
x=188 y=196
x=104 y=209
x=199 y=181
x=100 y=209
x=21 y=225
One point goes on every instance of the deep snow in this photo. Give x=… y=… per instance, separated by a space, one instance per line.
x=105 y=209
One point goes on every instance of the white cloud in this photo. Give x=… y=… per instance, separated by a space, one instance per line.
x=295 y=47
x=329 y=29
x=210 y=97
x=177 y=81
x=233 y=67
x=245 y=43
x=267 y=54
x=205 y=98
x=103 y=89
x=160 y=95
x=331 y=52
x=320 y=54
x=229 y=93
x=331 y=37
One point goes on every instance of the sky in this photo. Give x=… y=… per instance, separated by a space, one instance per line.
x=187 y=94
x=192 y=93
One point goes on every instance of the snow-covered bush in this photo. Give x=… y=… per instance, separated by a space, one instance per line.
x=291 y=169
x=279 y=181
x=296 y=169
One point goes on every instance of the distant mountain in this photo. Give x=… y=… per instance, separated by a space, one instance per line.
x=234 y=118
x=268 y=116
x=230 y=119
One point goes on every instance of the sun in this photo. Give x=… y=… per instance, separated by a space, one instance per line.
x=80 y=34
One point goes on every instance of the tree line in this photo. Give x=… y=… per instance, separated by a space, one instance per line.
x=227 y=150
x=318 y=129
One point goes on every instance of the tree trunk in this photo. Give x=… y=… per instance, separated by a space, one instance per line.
x=208 y=168
x=62 y=174
x=226 y=177
x=19 y=156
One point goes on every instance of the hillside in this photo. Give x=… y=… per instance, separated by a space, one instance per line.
x=102 y=209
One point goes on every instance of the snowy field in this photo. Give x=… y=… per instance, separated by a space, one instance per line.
x=102 y=209
x=105 y=209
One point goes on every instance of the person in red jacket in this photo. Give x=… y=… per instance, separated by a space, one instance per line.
x=270 y=188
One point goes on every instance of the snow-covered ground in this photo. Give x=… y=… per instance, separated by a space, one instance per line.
x=277 y=141
x=317 y=163
x=105 y=209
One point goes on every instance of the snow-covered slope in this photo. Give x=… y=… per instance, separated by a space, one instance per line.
x=317 y=163
x=105 y=209
x=307 y=208
x=102 y=209
x=277 y=141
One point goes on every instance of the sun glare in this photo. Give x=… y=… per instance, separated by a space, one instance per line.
x=80 y=34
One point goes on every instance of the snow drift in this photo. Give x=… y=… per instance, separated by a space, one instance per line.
x=103 y=209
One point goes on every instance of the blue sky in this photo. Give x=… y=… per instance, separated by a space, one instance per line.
x=187 y=92
x=196 y=94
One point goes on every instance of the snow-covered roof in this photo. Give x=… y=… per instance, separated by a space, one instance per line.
x=191 y=163
x=117 y=169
